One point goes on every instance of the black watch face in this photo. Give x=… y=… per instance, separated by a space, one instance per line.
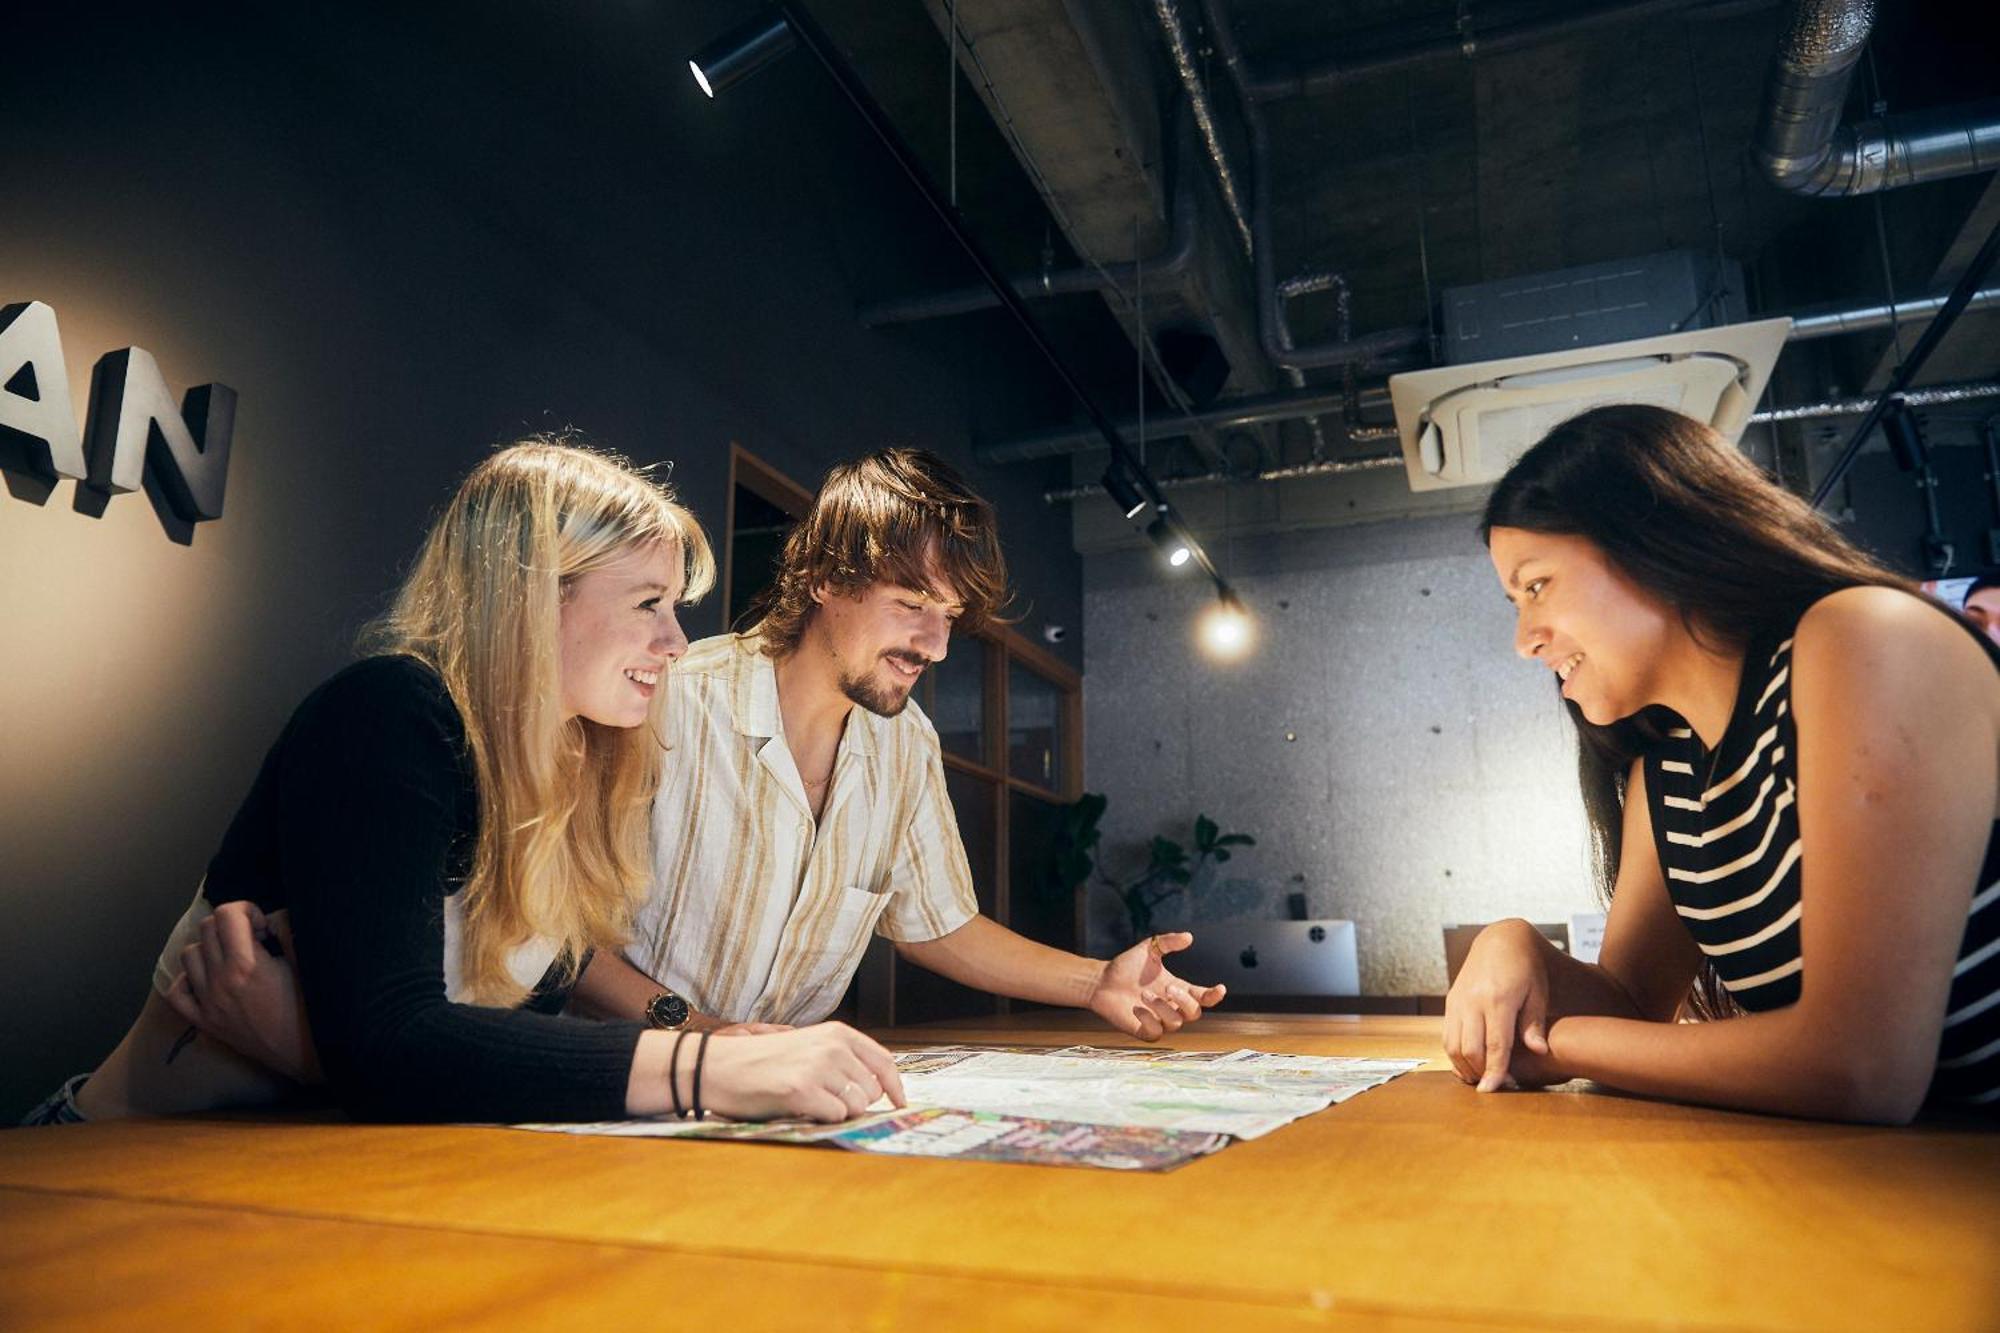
x=667 y=1010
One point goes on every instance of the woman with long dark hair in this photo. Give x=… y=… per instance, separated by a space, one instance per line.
x=1790 y=761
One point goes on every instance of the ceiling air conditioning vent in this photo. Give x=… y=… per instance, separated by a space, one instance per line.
x=1465 y=425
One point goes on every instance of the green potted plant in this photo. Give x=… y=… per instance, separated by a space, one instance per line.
x=1071 y=861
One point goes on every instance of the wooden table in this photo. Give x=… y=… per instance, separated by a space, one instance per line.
x=1417 y=1205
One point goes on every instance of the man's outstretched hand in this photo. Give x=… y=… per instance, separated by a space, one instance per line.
x=1136 y=994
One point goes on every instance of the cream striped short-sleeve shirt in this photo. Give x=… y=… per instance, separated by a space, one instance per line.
x=758 y=912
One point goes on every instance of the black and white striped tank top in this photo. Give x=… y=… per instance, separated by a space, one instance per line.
x=1726 y=824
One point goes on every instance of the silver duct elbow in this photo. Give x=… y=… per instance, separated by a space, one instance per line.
x=1801 y=143
x=1907 y=150
x=1821 y=43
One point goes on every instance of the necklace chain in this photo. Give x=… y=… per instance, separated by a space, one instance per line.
x=1714 y=758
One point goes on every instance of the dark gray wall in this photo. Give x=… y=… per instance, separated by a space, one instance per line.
x=401 y=240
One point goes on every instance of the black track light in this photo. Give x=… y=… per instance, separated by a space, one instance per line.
x=1166 y=535
x=1120 y=485
x=1905 y=434
x=742 y=51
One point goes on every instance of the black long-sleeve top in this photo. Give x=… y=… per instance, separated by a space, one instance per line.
x=361 y=821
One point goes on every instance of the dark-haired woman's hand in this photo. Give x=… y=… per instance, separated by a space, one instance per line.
x=1497 y=1014
x=826 y=1072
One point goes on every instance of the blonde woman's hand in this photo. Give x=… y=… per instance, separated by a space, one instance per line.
x=238 y=984
x=827 y=1072
x=1496 y=1017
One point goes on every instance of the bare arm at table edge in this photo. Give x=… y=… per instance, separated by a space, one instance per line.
x=1134 y=992
x=1514 y=982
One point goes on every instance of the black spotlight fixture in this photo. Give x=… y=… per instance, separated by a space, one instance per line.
x=742 y=51
x=1167 y=534
x=1123 y=490
x=1905 y=433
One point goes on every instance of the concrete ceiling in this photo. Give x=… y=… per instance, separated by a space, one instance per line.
x=1621 y=139
x=1568 y=152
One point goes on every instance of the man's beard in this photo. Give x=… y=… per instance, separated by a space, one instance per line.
x=878 y=699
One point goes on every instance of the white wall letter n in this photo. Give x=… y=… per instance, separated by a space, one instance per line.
x=134 y=426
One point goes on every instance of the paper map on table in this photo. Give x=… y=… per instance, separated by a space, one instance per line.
x=1241 y=1093
x=972 y=1136
x=1125 y=1109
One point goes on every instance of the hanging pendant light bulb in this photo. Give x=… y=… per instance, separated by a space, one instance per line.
x=1225 y=629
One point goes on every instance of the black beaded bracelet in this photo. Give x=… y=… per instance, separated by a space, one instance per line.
x=700 y=1055
x=674 y=1074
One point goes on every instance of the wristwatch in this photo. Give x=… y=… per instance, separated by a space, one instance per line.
x=667 y=1010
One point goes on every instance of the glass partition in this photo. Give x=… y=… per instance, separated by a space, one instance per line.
x=1035 y=708
x=957 y=705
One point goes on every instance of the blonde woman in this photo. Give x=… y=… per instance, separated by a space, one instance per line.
x=451 y=826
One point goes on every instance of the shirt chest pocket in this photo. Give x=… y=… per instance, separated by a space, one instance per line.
x=856 y=909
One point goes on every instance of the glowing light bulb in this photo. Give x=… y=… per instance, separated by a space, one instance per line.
x=1225 y=630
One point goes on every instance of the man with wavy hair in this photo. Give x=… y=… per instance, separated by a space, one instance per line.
x=802 y=807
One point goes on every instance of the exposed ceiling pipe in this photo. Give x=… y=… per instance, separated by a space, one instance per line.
x=1376 y=347
x=1801 y=143
x=1123 y=286
x=1305 y=284
x=1818 y=322
x=1935 y=396
x=1826 y=321
x=1204 y=117
x=1257 y=410
x=1470 y=42
x=1161 y=273
x=1272 y=332
x=1324 y=467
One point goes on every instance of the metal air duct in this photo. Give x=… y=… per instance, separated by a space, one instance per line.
x=1804 y=148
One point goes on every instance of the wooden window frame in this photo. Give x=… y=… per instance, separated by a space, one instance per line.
x=1005 y=646
x=765 y=482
